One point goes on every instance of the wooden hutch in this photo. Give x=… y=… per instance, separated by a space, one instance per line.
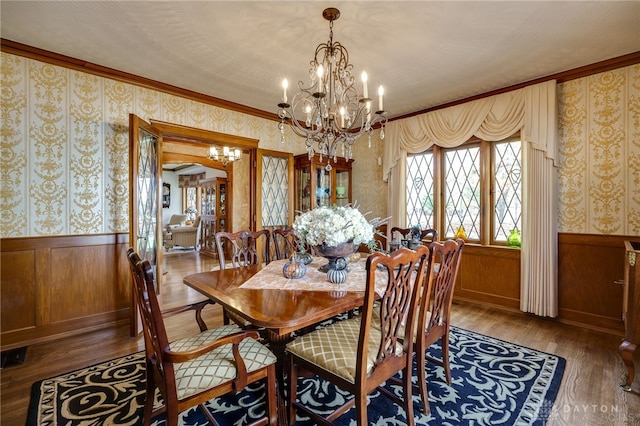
x=213 y=205
x=315 y=186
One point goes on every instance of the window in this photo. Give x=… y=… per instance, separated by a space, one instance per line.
x=420 y=202
x=507 y=196
x=447 y=189
x=462 y=191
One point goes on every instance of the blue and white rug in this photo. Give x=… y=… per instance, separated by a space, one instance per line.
x=493 y=383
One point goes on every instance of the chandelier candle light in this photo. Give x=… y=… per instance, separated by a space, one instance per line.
x=329 y=112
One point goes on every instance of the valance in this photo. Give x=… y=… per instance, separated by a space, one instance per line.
x=190 y=181
x=530 y=109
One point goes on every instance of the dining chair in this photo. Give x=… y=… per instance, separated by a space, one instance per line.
x=357 y=357
x=190 y=371
x=426 y=235
x=285 y=242
x=434 y=316
x=242 y=248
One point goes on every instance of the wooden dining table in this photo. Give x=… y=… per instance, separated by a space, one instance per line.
x=263 y=296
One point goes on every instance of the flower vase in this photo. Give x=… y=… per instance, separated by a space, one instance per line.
x=513 y=240
x=338 y=256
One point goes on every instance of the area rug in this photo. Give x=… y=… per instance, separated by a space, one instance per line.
x=493 y=383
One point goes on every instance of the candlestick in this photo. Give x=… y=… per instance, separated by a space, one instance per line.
x=285 y=84
x=380 y=93
x=365 y=90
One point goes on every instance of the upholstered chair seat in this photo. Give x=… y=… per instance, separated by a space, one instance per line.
x=217 y=366
x=335 y=348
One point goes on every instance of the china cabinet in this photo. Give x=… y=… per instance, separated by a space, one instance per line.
x=315 y=186
x=213 y=196
x=631 y=310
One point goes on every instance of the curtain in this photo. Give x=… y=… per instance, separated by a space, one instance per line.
x=531 y=110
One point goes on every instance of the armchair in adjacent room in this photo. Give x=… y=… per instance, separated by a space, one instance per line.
x=181 y=235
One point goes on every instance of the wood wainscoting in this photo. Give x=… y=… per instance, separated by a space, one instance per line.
x=590 y=268
x=58 y=286
x=489 y=275
x=53 y=287
x=590 y=273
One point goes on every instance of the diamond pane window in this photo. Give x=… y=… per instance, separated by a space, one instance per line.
x=420 y=190
x=462 y=192
x=148 y=194
x=275 y=189
x=507 y=189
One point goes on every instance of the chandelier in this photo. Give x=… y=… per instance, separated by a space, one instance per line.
x=227 y=155
x=329 y=112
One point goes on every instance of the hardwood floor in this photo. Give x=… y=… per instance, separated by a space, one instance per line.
x=589 y=394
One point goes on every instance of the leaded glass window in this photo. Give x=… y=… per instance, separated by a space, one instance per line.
x=462 y=192
x=420 y=202
x=474 y=190
x=507 y=201
x=275 y=189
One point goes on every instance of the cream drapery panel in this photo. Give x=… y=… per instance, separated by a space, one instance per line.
x=532 y=110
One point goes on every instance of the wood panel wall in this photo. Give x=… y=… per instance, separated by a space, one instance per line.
x=589 y=267
x=52 y=287
x=490 y=276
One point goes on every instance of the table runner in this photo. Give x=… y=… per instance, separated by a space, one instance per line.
x=271 y=277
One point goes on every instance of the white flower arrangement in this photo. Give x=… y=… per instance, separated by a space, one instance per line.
x=333 y=226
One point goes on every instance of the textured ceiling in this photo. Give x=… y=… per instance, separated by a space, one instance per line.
x=425 y=53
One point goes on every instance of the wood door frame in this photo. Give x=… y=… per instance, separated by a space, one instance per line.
x=135 y=124
x=183 y=144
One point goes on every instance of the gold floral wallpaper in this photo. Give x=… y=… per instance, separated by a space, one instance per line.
x=599 y=153
x=64 y=163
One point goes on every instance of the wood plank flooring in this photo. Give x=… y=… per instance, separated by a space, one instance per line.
x=589 y=394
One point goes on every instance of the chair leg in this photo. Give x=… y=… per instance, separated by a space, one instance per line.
x=445 y=356
x=208 y=415
x=361 y=408
x=422 y=378
x=149 y=399
x=272 y=405
x=292 y=388
x=172 y=414
x=408 y=400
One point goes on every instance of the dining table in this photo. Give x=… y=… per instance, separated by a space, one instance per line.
x=282 y=307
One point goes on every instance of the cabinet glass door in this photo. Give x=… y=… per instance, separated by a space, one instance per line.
x=342 y=187
x=304 y=189
x=323 y=187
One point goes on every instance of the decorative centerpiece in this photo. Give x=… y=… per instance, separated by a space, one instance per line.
x=335 y=232
x=294 y=268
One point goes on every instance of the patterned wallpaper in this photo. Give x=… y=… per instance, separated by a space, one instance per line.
x=64 y=163
x=599 y=153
